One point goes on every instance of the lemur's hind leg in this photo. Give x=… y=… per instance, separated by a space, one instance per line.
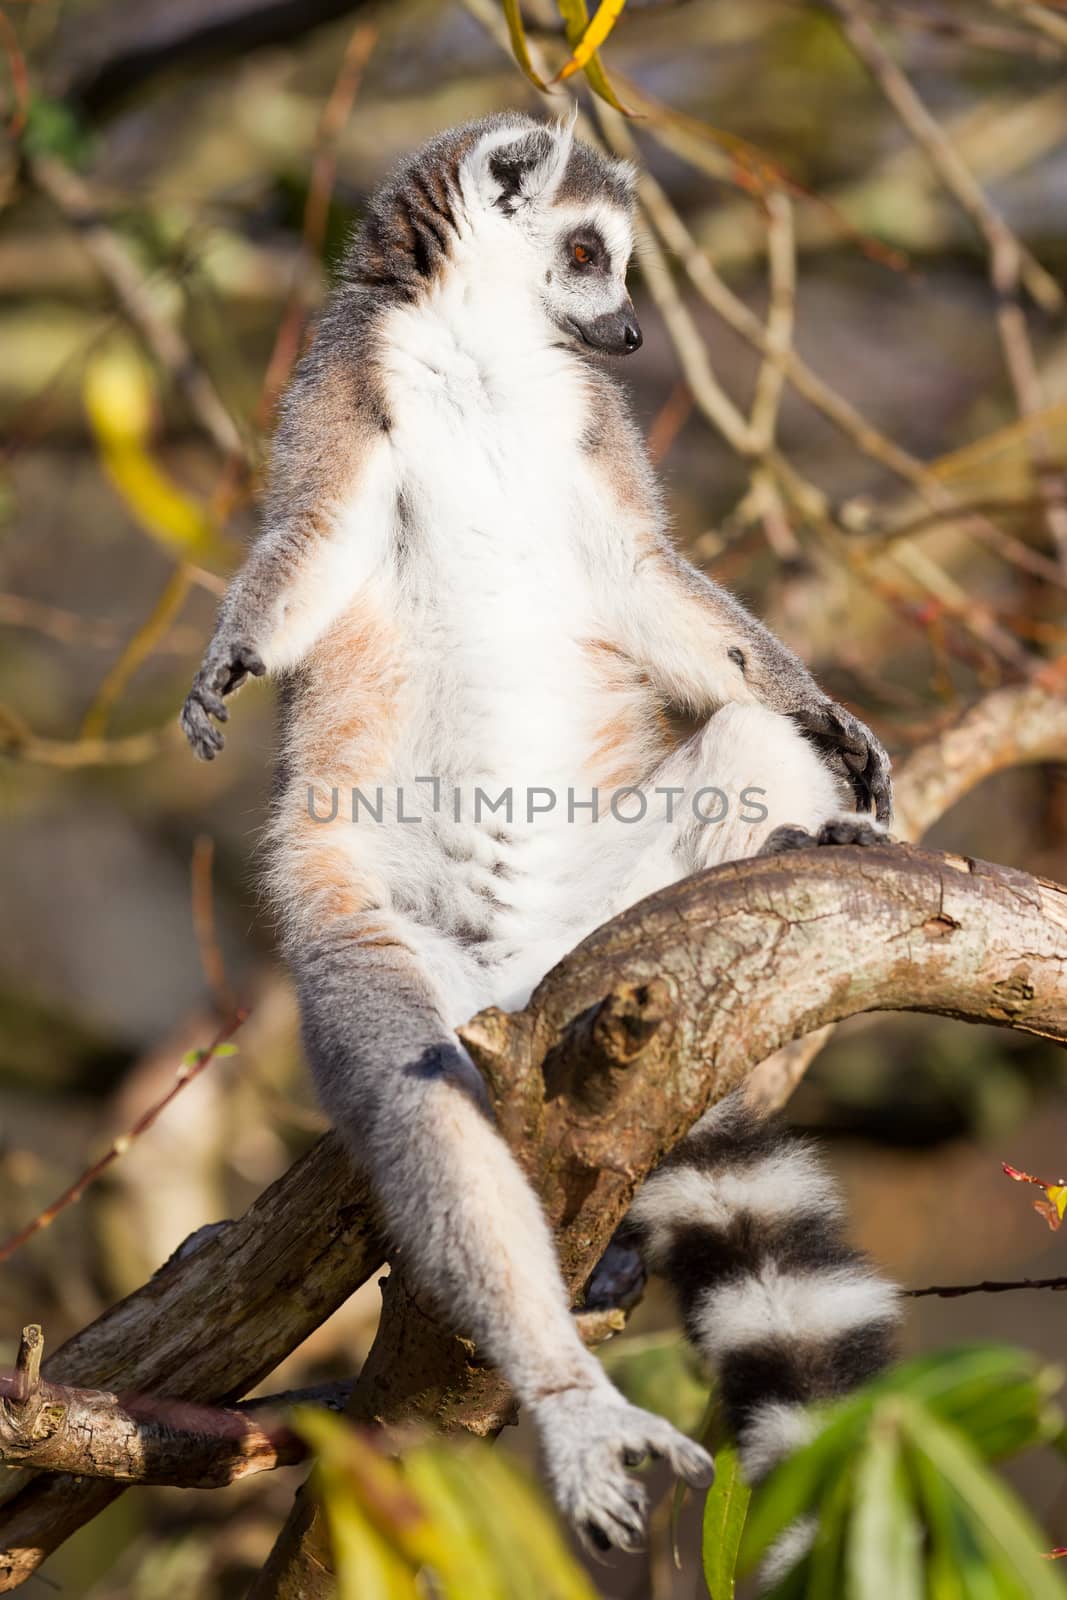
x=468 y=1229
x=748 y=775
x=776 y=786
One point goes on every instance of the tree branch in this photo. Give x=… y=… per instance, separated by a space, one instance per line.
x=139 y=1439
x=220 y=1315
x=662 y=1012
x=638 y=1030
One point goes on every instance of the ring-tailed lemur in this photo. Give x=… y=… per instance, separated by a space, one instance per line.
x=465 y=585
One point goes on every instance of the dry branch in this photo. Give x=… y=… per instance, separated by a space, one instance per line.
x=137 y=1438
x=230 y=1305
x=211 y=1324
x=664 y=1010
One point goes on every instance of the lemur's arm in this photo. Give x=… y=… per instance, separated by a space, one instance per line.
x=698 y=644
x=329 y=460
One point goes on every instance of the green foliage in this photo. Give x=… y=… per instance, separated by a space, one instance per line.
x=54 y=129
x=460 y=1522
x=725 y=1511
x=899 y=1482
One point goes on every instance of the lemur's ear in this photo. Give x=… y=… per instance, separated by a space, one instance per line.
x=514 y=170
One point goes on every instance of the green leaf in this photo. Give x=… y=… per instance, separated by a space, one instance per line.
x=956 y=1566
x=884 y=1536
x=796 y=1487
x=525 y=1531
x=519 y=45
x=450 y=1497
x=822 y=1573
x=999 y=1523
x=53 y=129
x=367 y=1562
x=725 y=1510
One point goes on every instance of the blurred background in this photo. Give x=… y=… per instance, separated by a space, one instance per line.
x=175 y=183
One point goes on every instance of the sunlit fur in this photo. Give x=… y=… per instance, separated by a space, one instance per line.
x=464 y=574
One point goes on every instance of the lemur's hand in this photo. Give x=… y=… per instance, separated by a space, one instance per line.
x=224 y=669
x=838 y=733
x=590 y=1439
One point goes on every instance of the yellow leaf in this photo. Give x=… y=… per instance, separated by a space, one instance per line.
x=1052 y=1208
x=576 y=22
x=120 y=404
x=607 y=15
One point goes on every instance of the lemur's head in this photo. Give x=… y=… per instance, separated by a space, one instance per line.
x=520 y=201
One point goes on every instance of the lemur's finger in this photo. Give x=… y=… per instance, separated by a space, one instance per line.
x=691 y=1462
x=882 y=792
x=620 y=1519
x=214 y=704
x=203 y=736
x=250 y=660
x=687 y=1459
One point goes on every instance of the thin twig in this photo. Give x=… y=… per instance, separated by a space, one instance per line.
x=335 y=114
x=16 y=611
x=708 y=394
x=928 y=134
x=1038 y=16
x=1009 y=262
x=953 y=1291
x=74 y=200
x=20 y=79
x=982 y=36
x=203 y=910
x=20 y=742
x=188 y=1070
x=781 y=312
x=669 y=421
x=147 y=639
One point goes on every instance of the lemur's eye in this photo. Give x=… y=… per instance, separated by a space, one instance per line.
x=582 y=255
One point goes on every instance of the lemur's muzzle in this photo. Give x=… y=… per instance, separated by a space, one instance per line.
x=617 y=333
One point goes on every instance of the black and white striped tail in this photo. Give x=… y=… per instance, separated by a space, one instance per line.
x=747 y=1226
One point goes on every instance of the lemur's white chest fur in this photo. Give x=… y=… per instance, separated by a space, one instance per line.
x=490 y=610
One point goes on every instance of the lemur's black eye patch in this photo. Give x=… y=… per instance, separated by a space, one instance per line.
x=586 y=251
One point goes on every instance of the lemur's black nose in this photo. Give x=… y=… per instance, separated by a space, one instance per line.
x=631 y=334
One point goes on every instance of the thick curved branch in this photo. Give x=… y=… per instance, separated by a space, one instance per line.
x=1010 y=727
x=139 y=1439
x=662 y=1012
x=225 y=1311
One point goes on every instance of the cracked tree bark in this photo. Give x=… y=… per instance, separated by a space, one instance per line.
x=637 y=1030
x=141 y=1439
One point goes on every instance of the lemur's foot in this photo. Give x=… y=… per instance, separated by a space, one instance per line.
x=840 y=830
x=618 y=1279
x=590 y=1437
x=224 y=669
